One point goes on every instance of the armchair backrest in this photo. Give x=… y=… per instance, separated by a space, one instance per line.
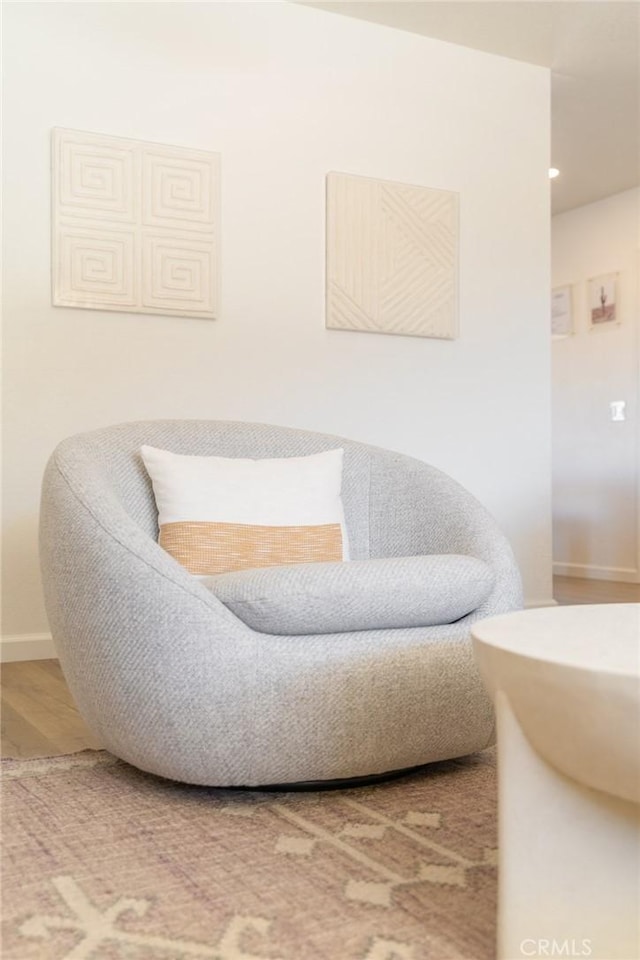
x=107 y=462
x=394 y=505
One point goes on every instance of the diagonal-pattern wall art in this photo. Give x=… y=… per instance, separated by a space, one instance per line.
x=392 y=258
x=135 y=225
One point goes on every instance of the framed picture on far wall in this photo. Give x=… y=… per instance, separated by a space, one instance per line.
x=561 y=313
x=603 y=299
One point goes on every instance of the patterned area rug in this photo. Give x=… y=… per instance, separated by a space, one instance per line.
x=103 y=862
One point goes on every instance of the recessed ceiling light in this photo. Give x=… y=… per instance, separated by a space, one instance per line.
x=553 y=173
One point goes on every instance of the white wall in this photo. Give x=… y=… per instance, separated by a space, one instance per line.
x=596 y=461
x=286 y=94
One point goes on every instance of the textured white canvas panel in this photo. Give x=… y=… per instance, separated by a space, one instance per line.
x=392 y=257
x=135 y=225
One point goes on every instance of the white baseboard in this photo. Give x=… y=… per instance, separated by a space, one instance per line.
x=533 y=604
x=27 y=646
x=588 y=571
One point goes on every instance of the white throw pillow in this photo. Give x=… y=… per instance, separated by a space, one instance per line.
x=218 y=514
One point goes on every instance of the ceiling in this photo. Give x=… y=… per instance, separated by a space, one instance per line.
x=592 y=48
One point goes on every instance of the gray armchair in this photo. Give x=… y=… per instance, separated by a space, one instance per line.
x=172 y=680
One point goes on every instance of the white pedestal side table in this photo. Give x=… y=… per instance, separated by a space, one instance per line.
x=566 y=686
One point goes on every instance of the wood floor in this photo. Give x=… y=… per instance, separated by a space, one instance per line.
x=39 y=718
x=569 y=590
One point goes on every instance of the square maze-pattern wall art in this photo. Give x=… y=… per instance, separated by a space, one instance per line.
x=392 y=258
x=135 y=226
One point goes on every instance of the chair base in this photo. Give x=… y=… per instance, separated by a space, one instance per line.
x=341 y=783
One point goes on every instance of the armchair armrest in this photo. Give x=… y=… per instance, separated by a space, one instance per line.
x=137 y=635
x=417 y=509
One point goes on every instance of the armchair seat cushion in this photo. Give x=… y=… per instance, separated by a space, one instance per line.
x=386 y=593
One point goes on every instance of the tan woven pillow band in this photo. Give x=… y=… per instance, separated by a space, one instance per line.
x=206 y=548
